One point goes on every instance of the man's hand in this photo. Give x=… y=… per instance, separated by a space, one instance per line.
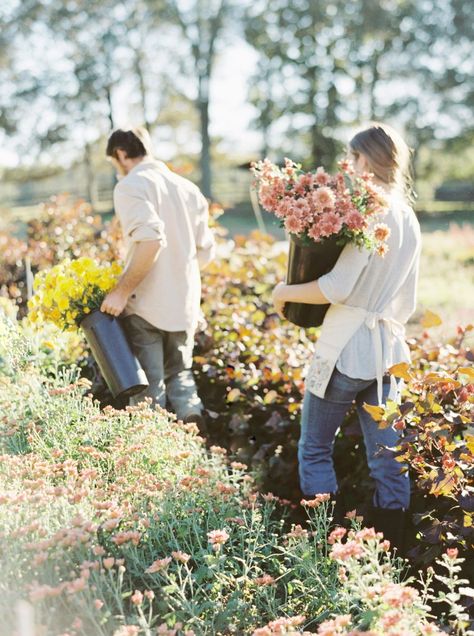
x=114 y=303
x=279 y=299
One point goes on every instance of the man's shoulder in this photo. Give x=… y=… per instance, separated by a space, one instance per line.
x=134 y=180
x=179 y=180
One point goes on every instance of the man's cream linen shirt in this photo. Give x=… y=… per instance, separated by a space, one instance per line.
x=154 y=203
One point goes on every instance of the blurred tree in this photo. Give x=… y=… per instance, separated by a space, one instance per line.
x=326 y=66
x=201 y=22
x=328 y=56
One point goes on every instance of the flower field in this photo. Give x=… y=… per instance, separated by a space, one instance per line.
x=124 y=521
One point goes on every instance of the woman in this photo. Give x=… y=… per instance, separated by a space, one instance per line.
x=363 y=334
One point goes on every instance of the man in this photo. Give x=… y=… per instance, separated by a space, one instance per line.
x=164 y=220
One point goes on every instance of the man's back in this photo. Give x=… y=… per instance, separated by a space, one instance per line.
x=153 y=203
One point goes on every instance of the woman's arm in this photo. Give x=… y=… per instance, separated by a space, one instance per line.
x=331 y=288
x=304 y=293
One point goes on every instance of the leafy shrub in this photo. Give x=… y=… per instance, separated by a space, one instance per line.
x=437 y=416
x=63 y=228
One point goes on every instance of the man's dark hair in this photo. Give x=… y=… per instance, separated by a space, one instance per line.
x=125 y=140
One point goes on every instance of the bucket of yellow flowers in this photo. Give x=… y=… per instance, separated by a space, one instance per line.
x=70 y=295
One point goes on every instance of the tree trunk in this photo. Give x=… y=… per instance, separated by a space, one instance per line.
x=91 y=183
x=205 y=158
x=110 y=112
x=142 y=88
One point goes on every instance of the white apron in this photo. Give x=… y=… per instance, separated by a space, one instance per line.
x=340 y=324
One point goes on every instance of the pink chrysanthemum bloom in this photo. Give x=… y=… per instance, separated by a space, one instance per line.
x=298 y=532
x=180 y=556
x=346 y=166
x=317 y=501
x=293 y=224
x=217 y=538
x=321 y=177
x=343 y=551
x=381 y=231
x=266 y=579
x=397 y=595
x=323 y=198
x=158 y=565
x=336 y=535
x=354 y=220
x=330 y=224
x=314 y=232
x=137 y=597
x=108 y=562
x=283 y=208
x=382 y=249
x=335 y=625
x=390 y=619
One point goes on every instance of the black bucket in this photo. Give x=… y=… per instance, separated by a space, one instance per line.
x=307 y=261
x=120 y=368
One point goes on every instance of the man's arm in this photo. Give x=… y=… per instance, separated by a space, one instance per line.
x=205 y=242
x=144 y=256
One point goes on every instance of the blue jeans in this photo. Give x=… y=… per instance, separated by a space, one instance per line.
x=166 y=358
x=320 y=422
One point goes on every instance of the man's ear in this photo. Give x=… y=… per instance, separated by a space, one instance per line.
x=121 y=155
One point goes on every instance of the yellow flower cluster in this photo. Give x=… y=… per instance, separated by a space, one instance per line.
x=69 y=291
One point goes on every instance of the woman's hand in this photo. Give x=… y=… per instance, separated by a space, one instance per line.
x=279 y=298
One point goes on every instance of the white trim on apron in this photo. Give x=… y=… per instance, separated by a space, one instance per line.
x=340 y=324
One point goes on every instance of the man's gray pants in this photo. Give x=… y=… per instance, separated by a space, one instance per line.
x=166 y=358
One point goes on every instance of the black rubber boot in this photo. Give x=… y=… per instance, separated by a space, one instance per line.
x=391 y=522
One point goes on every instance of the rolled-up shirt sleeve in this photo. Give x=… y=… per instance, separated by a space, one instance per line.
x=138 y=216
x=205 y=242
x=337 y=284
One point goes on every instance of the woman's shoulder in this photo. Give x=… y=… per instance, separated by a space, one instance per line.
x=403 y=214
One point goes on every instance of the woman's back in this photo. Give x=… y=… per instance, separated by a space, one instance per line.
x=381 y=285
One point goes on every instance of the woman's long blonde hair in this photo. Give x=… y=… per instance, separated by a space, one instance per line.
x=388 y=155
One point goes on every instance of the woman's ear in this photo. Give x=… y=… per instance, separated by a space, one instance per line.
x=364 y=165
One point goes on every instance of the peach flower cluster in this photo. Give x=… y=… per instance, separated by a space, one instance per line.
x=317 y=205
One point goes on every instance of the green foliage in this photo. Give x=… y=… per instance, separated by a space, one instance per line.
x=437 y=416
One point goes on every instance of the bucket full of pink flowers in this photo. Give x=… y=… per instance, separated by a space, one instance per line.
x=321 y=214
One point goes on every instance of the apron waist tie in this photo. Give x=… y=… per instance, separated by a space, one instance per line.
x=373 y=321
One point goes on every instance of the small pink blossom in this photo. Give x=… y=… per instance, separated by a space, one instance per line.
x=217 y=538
x=396 y=595
x=180 y=556
x=354 y=220
x=137 y=597
x=323 y=198
x=298 y=532
x=158 y=565
x=317 y=501
x=108 y=562
x=321 y=177
x=294 y=225
x=336 y=535
x=344 y=551
x=329 y=224
x=266 y=579
x=335 y=625
x=381 y=231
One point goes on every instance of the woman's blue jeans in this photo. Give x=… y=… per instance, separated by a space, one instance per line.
x=320 y=422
